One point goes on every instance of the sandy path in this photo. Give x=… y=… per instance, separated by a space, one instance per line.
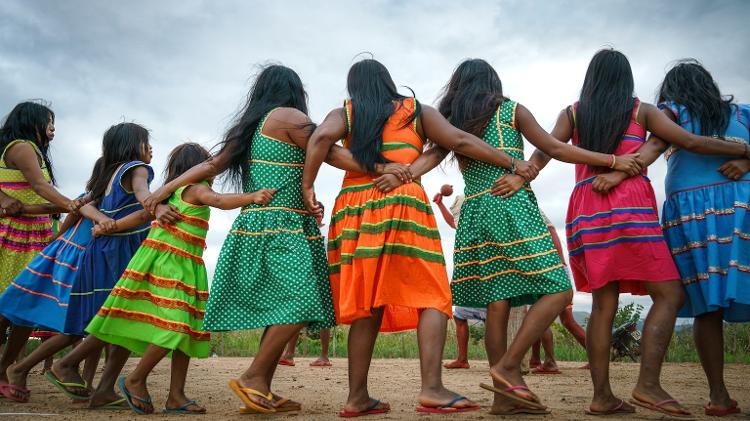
x=323 y=390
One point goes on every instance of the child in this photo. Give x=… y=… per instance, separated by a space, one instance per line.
x=706 y=197
x=157 y=306
x=25 y=176
x=615 y=241
x=122 y=184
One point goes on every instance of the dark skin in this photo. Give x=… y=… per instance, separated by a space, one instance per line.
x=667 y=296
x=286 y=124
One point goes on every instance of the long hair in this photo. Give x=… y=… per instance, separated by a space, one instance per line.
x=182 y=158
x=374 y=100
x=275 y=86
x=28 y=121
x=689 y=84
x=606 y=102
x=471 y=97
x=121 y=144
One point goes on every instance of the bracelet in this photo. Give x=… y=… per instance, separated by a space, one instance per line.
x=613 y=162
x=512 y=165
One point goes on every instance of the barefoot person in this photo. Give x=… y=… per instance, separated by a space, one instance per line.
x=386 y=262
x=615 y=241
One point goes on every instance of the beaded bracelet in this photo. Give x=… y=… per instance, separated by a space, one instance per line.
x=613 y=162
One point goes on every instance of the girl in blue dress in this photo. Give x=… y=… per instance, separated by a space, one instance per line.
x=706 y=216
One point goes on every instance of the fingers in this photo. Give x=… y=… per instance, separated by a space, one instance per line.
x=437 y=198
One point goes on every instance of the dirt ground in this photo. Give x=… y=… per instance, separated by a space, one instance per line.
x=322 y=390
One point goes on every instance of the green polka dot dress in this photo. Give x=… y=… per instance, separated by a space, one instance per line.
x=272 y=268
x=503 y=248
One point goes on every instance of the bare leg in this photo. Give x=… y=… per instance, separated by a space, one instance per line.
x=496 y=343
x=177 y=398
x=462 y=342
x=272 y=345
x=548 y=342
x=19 y=335
x=362 y=335
x=19 y=372
x=136 y=382
x=105 y=392
x=66 y=368
x=539 y=317
x=89 y=366
x=569 y=322
x=708 y=331
x=536 y=354
x=325 y=338
x=599 y=334
x=668 y=297
x=290 y=348
x=431 y=338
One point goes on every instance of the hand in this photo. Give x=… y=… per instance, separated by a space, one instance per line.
x=97 y=231
x=77 y=204
x=106 y=226
x=526 y=169
x=603 y=183
x=438 y=198
x=154 y=199
x=262 y=196
x=166 y=214
x=630 y=164
x=311 y=203
x=10 y=206
x=507 y=185
x=735 y=169
x=387 y=182
x=399 y=170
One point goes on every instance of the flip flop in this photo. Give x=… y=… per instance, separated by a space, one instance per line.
x=320 y=364
x=371 y=410
x=244 y=394
x=183 y=409
x=281 y=406
x=115 y=405
x=541 y=370
x=50 y=376
x=617 y=409
x=449 y=366
x=284 y=361
x=519 y=410
x=659 y=407
x=7 y=389
x=714 y=411
x=448 y=408
x=509 y=393
x=129 y=398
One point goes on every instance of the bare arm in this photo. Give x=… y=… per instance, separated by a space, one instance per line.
x=65 y=225
x=661 y=124
x=447 y=215
x=9 y=206
x=422 y=165
x=202 y=194
x=43 y=209
x=562 y=151
x=25 y=159
x=323 y=138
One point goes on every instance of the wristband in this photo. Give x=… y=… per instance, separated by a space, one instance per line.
x=613 y=162
x=513 y=164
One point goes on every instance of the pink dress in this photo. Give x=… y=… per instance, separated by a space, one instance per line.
x=616 y=237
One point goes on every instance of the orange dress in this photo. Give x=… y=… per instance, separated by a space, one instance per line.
x=384 y=248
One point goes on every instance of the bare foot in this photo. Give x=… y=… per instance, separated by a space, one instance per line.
x=606 y=403
x=16 y=377
x=66 y=374
x=180 y=402
x=321 y=362
x=366 y=404
x=442 y=397
x=288 y=402
x=259 y=385
x=502 y=405
x=534 y=363
x=456 y=364
x=511 y=377
x=656 y=394
x=136 y=388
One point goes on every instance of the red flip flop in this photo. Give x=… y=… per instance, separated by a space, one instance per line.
x=541 y=370
x=449 y=408
x=714 y=411
x=284 y=361
x=371 y=410
x=6 y=392
x=659 y=407
x=615 y=410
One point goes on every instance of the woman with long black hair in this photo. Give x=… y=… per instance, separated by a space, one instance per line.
x=705 y=216
x=615 y=242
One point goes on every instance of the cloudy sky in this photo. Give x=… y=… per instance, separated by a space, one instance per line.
x=182 y=68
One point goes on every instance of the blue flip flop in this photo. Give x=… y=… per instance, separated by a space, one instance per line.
x=129 y=398
x=183 y=409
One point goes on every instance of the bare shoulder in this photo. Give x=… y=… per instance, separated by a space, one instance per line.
x=193 y=193
x=289 y=115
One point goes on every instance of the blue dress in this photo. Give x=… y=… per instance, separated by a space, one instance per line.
x=106 y=257
x=39 y=296
x=706 y=221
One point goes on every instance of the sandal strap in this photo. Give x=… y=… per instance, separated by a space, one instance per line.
x=514 y=388
x=453 y=402
x=666 y=402
x=247 y=390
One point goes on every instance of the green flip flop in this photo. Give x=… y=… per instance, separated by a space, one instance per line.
x=115 y=405
x=183 y=409
x=50 y=376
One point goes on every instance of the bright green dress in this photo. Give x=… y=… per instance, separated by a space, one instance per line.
x=161 y=297
x=272 y=268
x=503 y=248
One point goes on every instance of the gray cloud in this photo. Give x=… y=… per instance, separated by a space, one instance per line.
x=182 y=68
